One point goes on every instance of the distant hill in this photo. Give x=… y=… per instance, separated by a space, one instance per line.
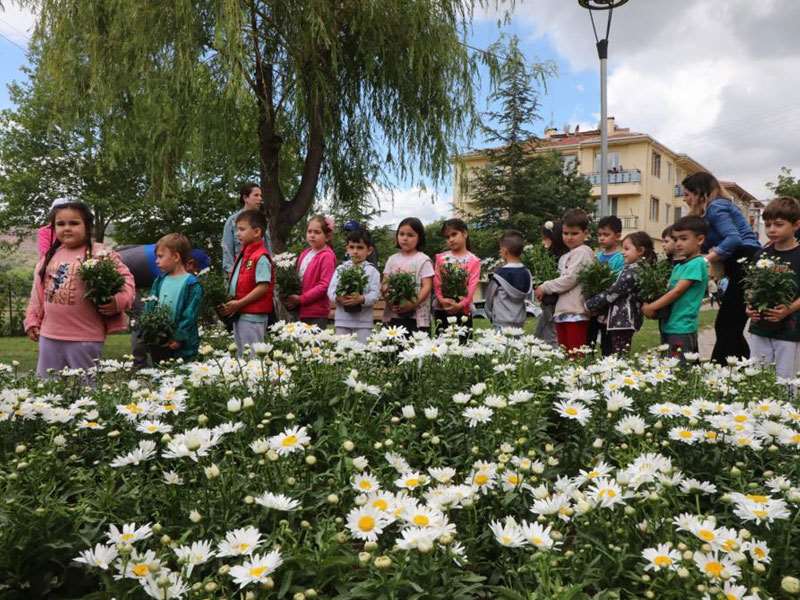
x=24 y=256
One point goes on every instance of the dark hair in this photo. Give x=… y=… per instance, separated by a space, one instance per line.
x=176 y=242
x=667 y=231
x=557 y=247
x=575 y=217
x=611 y=222
x=418 y=228
x=782 y=207
x=246 y=190
x=706 y=186
x=457 y=225
x=360 y=235
x=88 y=221
x=254 y=218
x=642 y=241
x=513 y=241
x=696 y=225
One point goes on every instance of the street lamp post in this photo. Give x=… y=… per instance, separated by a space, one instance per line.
x=602 y=52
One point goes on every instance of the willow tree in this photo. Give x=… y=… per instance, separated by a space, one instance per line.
x=336 y=93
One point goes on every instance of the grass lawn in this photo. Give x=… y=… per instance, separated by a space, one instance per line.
x=25 y=352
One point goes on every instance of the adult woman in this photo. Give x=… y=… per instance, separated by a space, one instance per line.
x=249 y=199
x=730 y=238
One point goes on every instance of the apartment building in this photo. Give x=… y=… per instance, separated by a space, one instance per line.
x=644 y=176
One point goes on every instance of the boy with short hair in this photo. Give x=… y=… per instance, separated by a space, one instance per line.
x=667 y=243
x=181 y=292
x=510 y=285
x=609 y=232
x=251 y=283
x=354 y=312
x=570 y=315
x=687 y=288
x=775 y=334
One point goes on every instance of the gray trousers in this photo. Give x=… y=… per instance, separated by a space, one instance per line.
x=546 y=327
x=60 y=354
x=362 y=333
x=247 y=333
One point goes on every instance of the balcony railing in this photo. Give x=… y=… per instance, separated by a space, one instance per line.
x=627 y=176
x=678 y=191
x=630 y=222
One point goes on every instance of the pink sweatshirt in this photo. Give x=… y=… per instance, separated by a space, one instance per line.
x=314 y=302
x=467 y=261
x=58 y=307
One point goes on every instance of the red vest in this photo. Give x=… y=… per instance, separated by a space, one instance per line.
x=247 y=278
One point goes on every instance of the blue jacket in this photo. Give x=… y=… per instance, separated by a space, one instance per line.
x=728 y=230
x=188 y=307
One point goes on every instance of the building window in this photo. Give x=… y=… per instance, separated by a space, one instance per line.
x=653 y=209
x=569 y=163
x=613 y=161
x=678 y=213
x=613 y=203
x=656 y=166
x=670 y=172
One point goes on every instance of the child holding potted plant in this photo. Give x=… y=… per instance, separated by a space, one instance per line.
x=457 y=273
x=355 y=287
x=771 y=290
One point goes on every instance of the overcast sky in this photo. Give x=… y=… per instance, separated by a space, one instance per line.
x=717 y=79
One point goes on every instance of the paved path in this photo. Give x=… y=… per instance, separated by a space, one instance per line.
x=705 y=340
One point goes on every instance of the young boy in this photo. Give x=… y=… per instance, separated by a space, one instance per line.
x=354 y=312
x=570 y=316
x=668 y=244
x=251 y=283
x=687 y=288
x=509 y=285
x=775 y=334
x=181 y=292
x=609 y=231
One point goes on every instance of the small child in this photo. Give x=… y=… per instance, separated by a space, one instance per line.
x=609 y=230
x=181 y=292
x=354 y=313
x=775 y=335
x=69 y=328
x=571 y=317
x=687 y=288
x=668 y=244
x=545 y=325
x=414 y=315
x=457 y=236
x=624 y=316
x=251 y=283
x=509 y=286
x=315 y=266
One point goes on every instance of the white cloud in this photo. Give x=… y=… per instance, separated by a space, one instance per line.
x=427 y=205
x=579 y=88
x=717 y=80
x=16 y=23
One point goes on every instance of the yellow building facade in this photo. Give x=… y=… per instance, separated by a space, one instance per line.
x=644 y=176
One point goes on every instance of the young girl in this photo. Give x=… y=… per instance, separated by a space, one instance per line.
x=315 y=265
x=181 y=292
x=545 y=326
x=454 y=231
x=621 y=300
x=414 y=315
x=69 y=328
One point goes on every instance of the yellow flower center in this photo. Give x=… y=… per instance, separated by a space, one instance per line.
x=91 y=424
x=729 y=545
x=257 y=571
x=480 y=479
x=662 y=560
x=126 y=537
x=796 y=438
x=757 y=498
x=289 y=441
x=133 y=408
x=366 y=523
x=168 y=407
x=714 y=568
x=421 y=520
x=412 y=482
x=140 y=570
x=536 y=540
x=759 y=552
x=506 y=540
x=592 y=474
x=243 y=547
x=761 y=514
x=607 y=492
x=571 y=411
x=711 y=435
x=381 y=504
x=364 y=484
x=513 y=479
x=685 y=434
x=731 y=597
x=152 y=428
x=706 y=535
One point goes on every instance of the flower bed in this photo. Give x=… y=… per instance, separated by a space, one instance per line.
x=325 y=469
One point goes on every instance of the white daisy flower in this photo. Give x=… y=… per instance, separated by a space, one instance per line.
x=239 y=542
x=366 y=523
x=101 y=556
x=196 y=554
x=364 y=483
x=508 y=533
x=130 y=534
x=256 y=569
x=716 y=567
x=477 y=414
x=290 y=440
x=661 y=557
x=278 y=502
x=442 y=474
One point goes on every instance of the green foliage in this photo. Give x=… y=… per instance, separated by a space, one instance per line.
x=287 y=280
x=101 y=279
x=352 y=280
x=15 y=287
x=542 y=265
x=400 y=287
x=787 y=184
x=155 y=326
x=769 y=283
x=594 y=278
x=520 y=187
x=653 y=279
x=215 y=292
x=454 y=281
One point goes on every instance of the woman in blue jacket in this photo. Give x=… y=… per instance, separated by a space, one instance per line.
x=730 y=238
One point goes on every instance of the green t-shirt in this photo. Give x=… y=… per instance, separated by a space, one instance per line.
x=263 y=275
x=170 y=292
x=685 y=311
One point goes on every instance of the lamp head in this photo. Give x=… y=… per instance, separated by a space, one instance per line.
x=601 y=4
